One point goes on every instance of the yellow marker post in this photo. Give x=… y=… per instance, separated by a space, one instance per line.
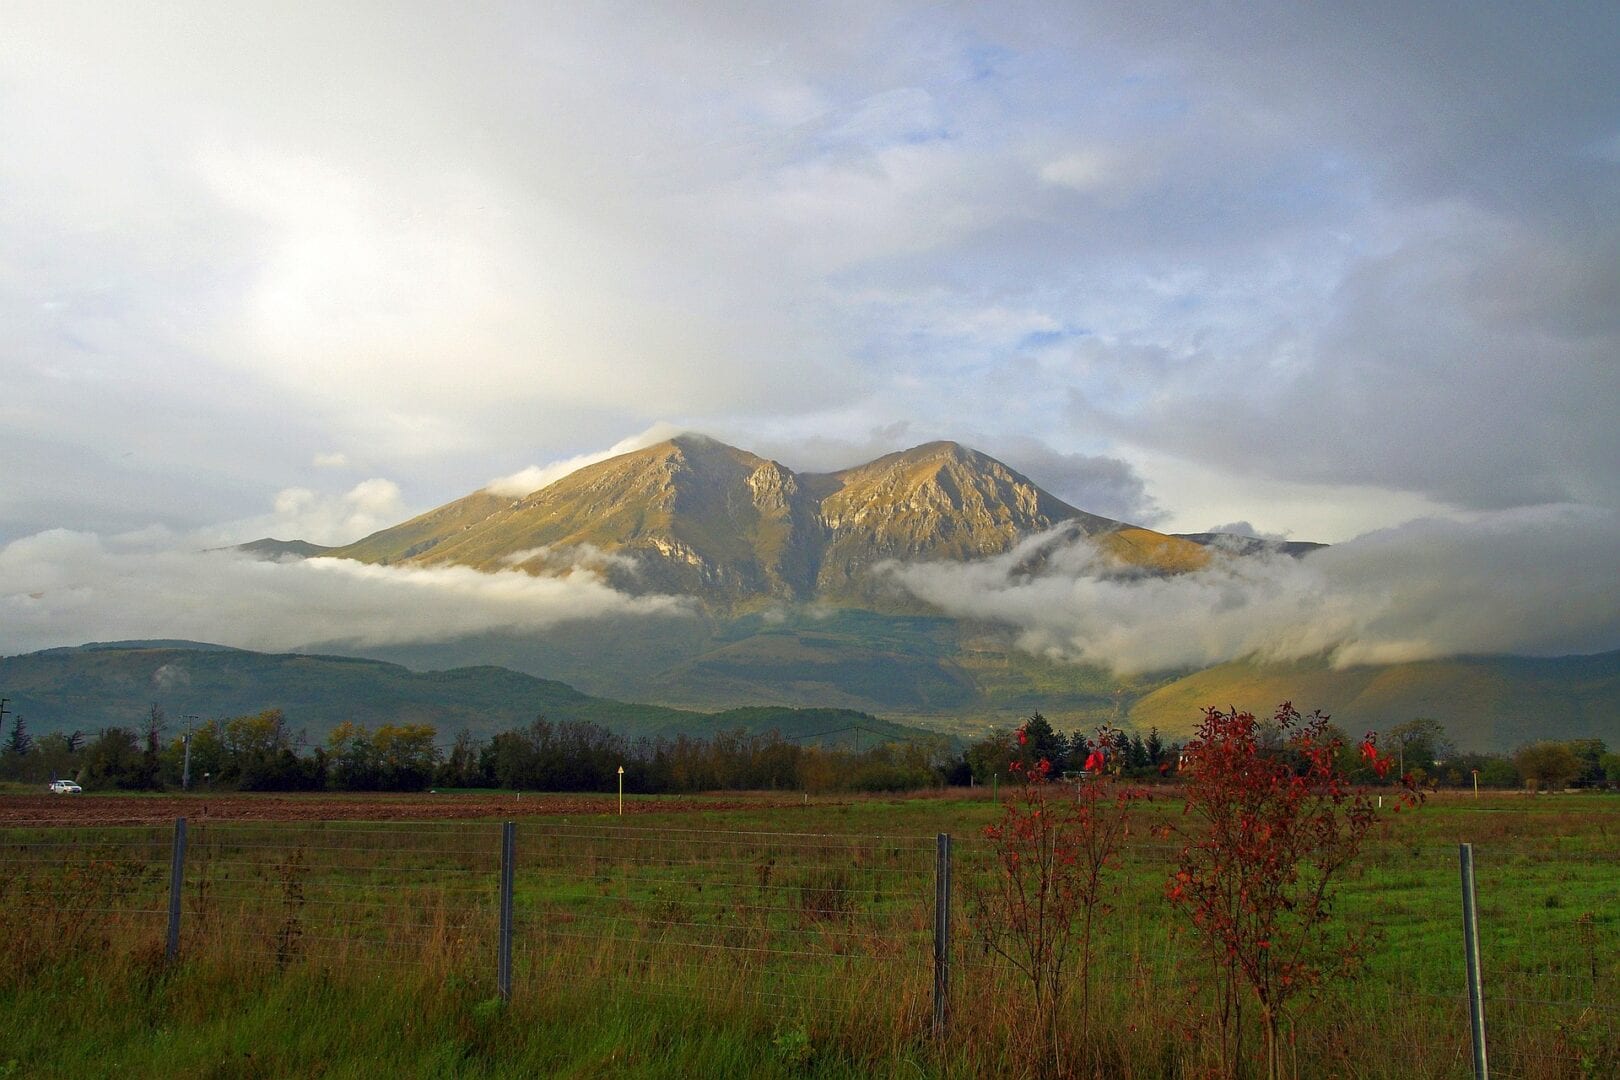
x=621 y=791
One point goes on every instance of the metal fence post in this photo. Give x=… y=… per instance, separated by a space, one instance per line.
x=177 y=880
x=503 y=964
x=942 y=930
x=1476 y=994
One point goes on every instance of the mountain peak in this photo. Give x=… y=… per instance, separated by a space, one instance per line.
x=697 y=442
x=689 y=447
x=941 y=448
x=692 y=515
x=938 y=451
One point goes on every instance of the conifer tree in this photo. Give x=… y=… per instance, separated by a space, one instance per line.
x=19 y=742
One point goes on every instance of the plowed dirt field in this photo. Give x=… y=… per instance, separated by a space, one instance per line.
x=157 y=809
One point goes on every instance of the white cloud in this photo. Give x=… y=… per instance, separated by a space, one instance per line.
x=333 y=460
x=554 y=559
x=1193 y=493
x=1537 y=581
x=300 y=513
x=1110 y=173
x=536 y=477
x=60 y=587
x=382 y=284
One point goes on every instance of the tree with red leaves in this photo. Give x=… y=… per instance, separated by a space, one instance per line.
x=1053 y=852
x=1278 y=826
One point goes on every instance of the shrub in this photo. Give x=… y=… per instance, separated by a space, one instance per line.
x=1278 y=827
x=1049 y=882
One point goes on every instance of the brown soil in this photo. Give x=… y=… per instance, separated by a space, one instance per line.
x=158 y=809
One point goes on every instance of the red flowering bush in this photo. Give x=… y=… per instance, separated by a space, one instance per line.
x=1279 y=826
x=1052 y=852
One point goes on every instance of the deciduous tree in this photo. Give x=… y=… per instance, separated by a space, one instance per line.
x=1276 y=827
x=1547 y=764
x=113 y=760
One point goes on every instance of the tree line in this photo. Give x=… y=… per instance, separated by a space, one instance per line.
x=263 y=752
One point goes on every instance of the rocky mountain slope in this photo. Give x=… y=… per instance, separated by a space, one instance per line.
x=697 y=517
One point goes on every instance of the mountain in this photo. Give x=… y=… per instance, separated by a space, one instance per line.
x=95 y=686
x=697 y=517
x=796 y=611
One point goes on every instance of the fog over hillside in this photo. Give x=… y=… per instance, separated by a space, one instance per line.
x=1519 y=582
x=1537 y=582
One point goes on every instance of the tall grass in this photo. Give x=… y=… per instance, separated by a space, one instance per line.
x=747 y=948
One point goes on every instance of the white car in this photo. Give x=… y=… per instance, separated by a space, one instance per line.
x=65 y=787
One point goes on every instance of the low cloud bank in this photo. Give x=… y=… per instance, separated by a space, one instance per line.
x=572 y=557
x=63 y=588
x=1538 y=582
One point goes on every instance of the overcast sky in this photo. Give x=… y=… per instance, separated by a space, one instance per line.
x=307 y=269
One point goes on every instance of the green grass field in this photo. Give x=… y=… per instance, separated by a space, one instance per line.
x=781 y=941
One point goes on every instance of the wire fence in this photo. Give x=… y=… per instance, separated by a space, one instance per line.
x=1550 y=958
x=805 y=923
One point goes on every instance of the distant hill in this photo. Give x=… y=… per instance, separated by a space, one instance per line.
x=935 y=672
x=932 y=672
x=1485 y=703
x=697 y=517
x=268 y=548
x=828 y=675
x=918 y=669
x=95 y=686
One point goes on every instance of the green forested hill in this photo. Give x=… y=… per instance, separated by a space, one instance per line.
x=921 y=670
x=96 y=686
x=817 y=675
x=934 y=672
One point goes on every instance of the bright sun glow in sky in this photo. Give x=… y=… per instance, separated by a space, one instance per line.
x=306 y=270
